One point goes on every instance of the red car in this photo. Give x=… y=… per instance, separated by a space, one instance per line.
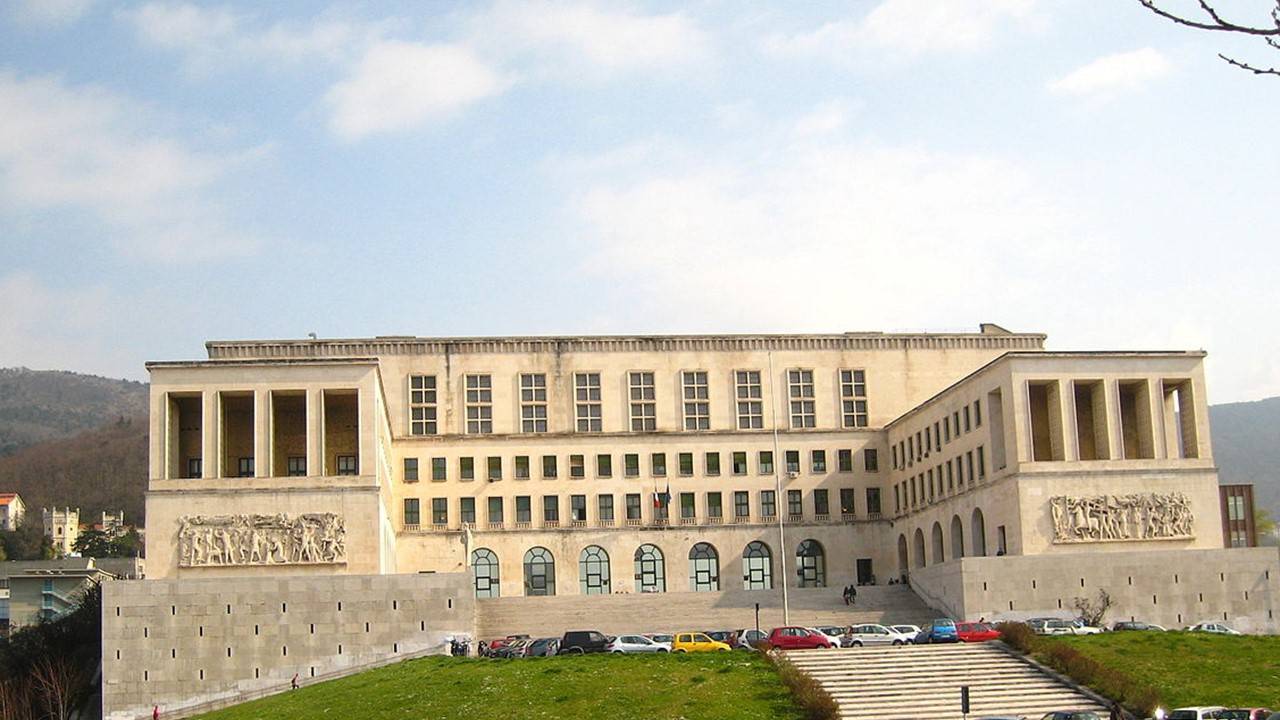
x=797 y=638
x=976 y=632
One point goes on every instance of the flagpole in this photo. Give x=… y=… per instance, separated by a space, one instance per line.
x=777 y=498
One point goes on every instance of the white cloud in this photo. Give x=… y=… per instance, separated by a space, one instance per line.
x=909 y=28
x=1114 y=73
x=827 y=117
x=50 y=12
x=400 y=85
x=82 y=148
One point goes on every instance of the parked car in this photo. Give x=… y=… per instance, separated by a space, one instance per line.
x=1051 y=626
x=666 y=638
x=839 y=636
x=542 y=647
x=1071 y=715
x=630 y=644
x=797 y=638
x=496 y=645
x=938 y=631
x=1134 y=625
x=750 y=639
x=580 y=642
x=728 y=637
x=1080 y=627
x=911 y=631
x=686 y=642
x=1216 y=628
x=512 y=649
x=872 y=634
x=976 y=632
x=1195 y=713
x=1245 y=714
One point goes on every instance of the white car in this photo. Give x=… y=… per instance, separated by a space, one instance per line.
x=632 y=644
x=872 y=634
x=1216 y=628
x=1194 y=713
x=1052 y=626
x=910 y=631
x=834 y=633
x=1080 y=628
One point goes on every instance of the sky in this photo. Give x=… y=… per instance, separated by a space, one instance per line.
x=175 y=172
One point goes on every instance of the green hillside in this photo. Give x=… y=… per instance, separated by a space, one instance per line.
x=37 y=405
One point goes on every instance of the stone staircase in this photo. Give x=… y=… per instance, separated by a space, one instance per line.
x=923 y=681
x=673 y=611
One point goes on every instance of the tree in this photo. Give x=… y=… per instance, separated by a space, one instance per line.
x=94 y=544
x=1264 y=525
x=1211 y=19
x=129 y=544
x=1092 y=612
x=28 y=542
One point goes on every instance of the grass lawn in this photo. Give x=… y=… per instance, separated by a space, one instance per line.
x=704 y=686
x=1193 y=668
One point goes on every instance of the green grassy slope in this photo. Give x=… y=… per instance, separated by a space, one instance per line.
x=706 y=686
x=1193 y=668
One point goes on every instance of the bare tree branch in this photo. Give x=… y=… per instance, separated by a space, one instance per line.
x=1251 y=68
x=1218 y=24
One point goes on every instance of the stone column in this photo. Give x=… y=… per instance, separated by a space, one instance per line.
x=262 y=433
x=209 y=435
x=315 y=433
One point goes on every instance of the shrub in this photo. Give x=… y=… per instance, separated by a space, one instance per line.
x=808 y=693
x=1017 y=636
x=1107 y=681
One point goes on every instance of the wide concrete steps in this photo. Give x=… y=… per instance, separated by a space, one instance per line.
x=924 y=681
x=673 y=611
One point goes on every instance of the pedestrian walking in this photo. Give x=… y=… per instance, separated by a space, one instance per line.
x=155 y=712
x=845 y=595
x=293 y=684
x=853 y=595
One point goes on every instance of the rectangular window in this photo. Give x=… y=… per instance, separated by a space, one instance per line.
x=928 y=442
x=697 y=405
x=659 y=462
x=604 y=466
x=412 y=511
x=348 y=465
x=911 y=451
x=750 y=404
x=549 y=469
x=821 y=503
x=740 y=463
x=713 y=463
x=297 y=467
x=929 y=478
x=766 y=462
x=439 y=469
x=871 y=459
x=960 y=471
x=946 y=428
x=844 y=458
x=551 y=508
x=587 y=402
x=818 y=460
x=969 y=462
x=951 y=477
x=578 y=508
x=768 y=504
x=631 y=464
x=966 y=418
x=633 y=506
x=410 y=468
x=873 y=501
x=495 y=468
x=244 y=467
x=644 y=416
x=479 y=404
x=982 y=463
x=937 y=436
x=467 y=510
x=495 y=510
x=422 y=405
x=604 y=507
x=794 y=505
x=686 y=464
x=897 y=498
x=741 y=504
x=714 y=508
x=793 y=460
x=853 y=398
x=800 y=390
x=577 y=466
x=977 y=413
x=195 y=468
x=524 y=509
x=847 y=507
x=522 y=467
x=440 y=511
x=467 y=468
x=687 y=508
x=533 y=402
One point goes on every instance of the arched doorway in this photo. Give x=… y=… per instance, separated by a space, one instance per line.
x=704 y=568
x=939 y=555
x=918 y=547
x=957 y=537
x=811 y=564
x=757 y=567
x=979 y=529
x=539 y=572
x=484 y=563
x=903 y=564
x=593 y=571
x=651 y=571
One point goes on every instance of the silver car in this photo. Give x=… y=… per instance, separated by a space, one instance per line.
x=631 y=644
x=872 y=634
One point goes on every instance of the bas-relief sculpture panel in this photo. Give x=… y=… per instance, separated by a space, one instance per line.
x=308 y=539
x=1138 y=516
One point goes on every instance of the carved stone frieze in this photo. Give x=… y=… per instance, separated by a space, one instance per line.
x=1138 y=516
x=218 y=540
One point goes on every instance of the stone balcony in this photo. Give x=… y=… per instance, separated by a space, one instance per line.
x=636 y=523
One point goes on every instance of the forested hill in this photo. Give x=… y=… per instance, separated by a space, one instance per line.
x=39 y=405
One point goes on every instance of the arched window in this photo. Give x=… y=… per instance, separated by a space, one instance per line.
x=651 y=570
x=938 y=554
x=979 y=528
x=757 y=567
x=903 y=564
x=811 y=564
x=918 y=547
x=593 y=570
x=485 y=565
x=539 y=572
x=957 y=537
x=704 y=568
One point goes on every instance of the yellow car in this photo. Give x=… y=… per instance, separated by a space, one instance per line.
x=695 y=642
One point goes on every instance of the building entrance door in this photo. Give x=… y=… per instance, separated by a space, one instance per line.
x=864 y=571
